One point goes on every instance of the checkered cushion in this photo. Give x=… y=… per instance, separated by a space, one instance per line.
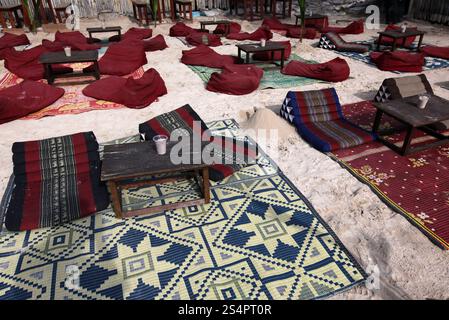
x=56 y=180
x=318 y=117
x=398 y=88
x=233 y=156
x=333 y=41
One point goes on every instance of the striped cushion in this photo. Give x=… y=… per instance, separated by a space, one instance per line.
x=333 y=41
x=319 y=120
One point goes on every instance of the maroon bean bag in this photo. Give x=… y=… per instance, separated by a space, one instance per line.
x=198 y=38
x=261 y=33
x=234 y=27
x=25 y=64
x=398 y=61
x=317 y=23
x=235 y=79
x=122 y=58
x=133 y=34
x=25 y=98
x=76 y=40
x=356 y=27
x=264 y=56
x=388 y=41
x=308 y=33
x=437 y=52
x=207 y=57
x=154 y=44
x=180 y=29
x=333 y=71
x=133 y=93
x=275 y=24
x=10 y=40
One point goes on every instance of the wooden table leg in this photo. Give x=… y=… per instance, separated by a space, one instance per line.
x=376 y=124
x=393 y=47
x=379 y=41
x=49 y=73
x=115 y=199
x=421 y=37
x=206 y=185
x=408 y=139
x=97 y=70
x=282 y=58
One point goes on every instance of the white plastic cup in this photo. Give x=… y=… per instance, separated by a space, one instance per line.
x=68 y=51
x=423 y=100
x=161 y=144
x=263 y=42
x=404 y=28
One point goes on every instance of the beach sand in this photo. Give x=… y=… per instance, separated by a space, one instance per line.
x=410 y=265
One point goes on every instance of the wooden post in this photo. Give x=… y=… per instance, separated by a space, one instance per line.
x=26 y=14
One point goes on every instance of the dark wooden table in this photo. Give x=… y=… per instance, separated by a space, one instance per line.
x=124 y=162
x=116 y=29
x=50 y=58
x=217 y=22
x=256 y=47
x=407 y=112
x=398 y=36
x=444 y=85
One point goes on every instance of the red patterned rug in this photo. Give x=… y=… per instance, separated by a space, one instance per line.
x=416 y=185
x=73 y=101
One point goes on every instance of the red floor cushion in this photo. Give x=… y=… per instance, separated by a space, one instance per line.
x=317 y=23
x=274 y=24
x=56 y=180
x=333 y=71
x=10 y=40
x=264 y=56
x=207 y=57
x=398 y=61
x=25 y=64
x=154 y=44
x=133 y=93
x=356 y=27
x=26 y=97
x=234 y=27
x=133 y=34
x=201 y=38
x=180 y=29
x=308 y=33
x=261 y=33
x=235 y=79
x=76 y=40
x=408 y=42
x=437 y=52
x=122 y=58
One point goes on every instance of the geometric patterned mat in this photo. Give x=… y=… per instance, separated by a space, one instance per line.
x=272 y=77
x=258 y=239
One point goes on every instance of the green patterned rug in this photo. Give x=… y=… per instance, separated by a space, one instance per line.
x=258 y=239
x=272 y=77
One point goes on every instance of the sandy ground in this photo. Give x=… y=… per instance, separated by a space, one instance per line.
x=410 y=266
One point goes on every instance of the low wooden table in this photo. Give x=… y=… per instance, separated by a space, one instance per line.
x=50 y=58
x=398 y=35
x=116 y=29
x=124 y=162
x=256 y=47
x=218 y=22
x=406 y=111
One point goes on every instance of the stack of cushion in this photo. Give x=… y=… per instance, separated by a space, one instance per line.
x=335 y=70
x=231 y=154
x=133 y=93
x=56 y=180
x=398 y=61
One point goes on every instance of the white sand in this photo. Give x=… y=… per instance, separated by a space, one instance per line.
x=410 y=265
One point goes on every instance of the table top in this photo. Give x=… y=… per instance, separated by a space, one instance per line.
x=406 y=109
x=256 y=47
x=444 y=85
x=105 y=29
x=140 y=159
x=77 y=56
x=212 y=22
x=399 y=34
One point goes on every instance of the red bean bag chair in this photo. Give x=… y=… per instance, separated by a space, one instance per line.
x=25 y=64
x=133 y=93
x=295 y=32
x=317 y=23
x=154 y=44
x=180 y=29
x=398 y=61
x=198 y=38
x=388 y=41
x=261 y=33
x=10 y=40
x=265 y=56
x=207 y=57
x=333 y=71
x=437 y=52
x=122 y=58
x=234 y=27
x=275 y=24
x=235 y=79
x=75 y=40
x=356 y=27
x=53 y=46
x=133 y=34
x=25 y=98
